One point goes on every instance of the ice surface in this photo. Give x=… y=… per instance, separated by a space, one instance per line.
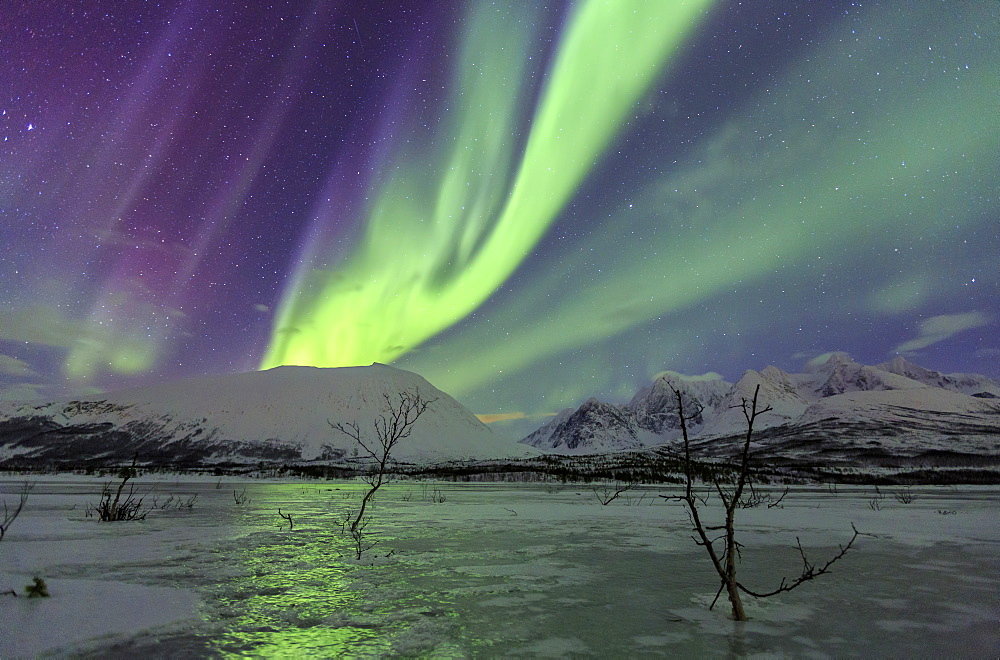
x=493 y=570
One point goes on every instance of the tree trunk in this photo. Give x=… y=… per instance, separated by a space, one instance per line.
x=734 y=598
x=364 y=504
x=731 y=554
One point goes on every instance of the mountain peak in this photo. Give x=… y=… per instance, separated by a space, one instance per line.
x=593 y=427
x=774 y=373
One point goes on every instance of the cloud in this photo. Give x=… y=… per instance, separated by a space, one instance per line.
x=122 y=336
x=489 y=418
x=903 y=295
x=38 y=325
x=821 y=359
x=130 y=241
x=46 y=391
x=21 y=392
x=709 y=376
x=11 y=366
x=939 y=328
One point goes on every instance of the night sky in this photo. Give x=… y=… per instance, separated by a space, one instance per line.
x=526 y=203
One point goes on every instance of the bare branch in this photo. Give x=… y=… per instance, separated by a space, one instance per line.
x=751 y=413
x=756 y=499
x=606 y=496
x=777 y=502
x=722 y=585
x=689 y=498
x=809 y=570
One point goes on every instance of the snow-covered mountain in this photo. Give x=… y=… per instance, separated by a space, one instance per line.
x=593 y=427
x=836 y=407
x=647 y=419
x=782 y=391
x=974 y=384
x=653 y=405
x=279 y=414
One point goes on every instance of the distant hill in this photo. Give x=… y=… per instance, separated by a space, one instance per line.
x=281 y=414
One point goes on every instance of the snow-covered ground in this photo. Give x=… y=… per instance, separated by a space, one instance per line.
x=492 y=570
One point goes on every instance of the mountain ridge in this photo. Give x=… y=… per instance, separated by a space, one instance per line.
x=895 y=403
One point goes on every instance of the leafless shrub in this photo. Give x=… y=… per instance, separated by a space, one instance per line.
x=241 y=497
x=37 y=588
x=875 y=501
x=10 y=514
x=758 y=498
x=115 y=509
x=631 y=499
x=904 y=496
x=288 y=517
x=435 y=495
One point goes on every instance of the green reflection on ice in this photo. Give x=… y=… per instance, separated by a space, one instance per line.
x=294 y=594
x=300 y=593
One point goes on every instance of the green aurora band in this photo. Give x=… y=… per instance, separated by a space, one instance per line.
x=436 y=247
x=783 y=197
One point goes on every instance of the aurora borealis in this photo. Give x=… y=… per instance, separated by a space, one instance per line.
x=526 y=204
x=466 y=237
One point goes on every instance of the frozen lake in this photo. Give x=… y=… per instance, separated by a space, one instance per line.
x=492 y=570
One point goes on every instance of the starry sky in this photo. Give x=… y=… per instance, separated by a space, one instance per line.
x=526 y=203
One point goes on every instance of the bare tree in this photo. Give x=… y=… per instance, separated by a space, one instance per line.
x=392 y=426
x=9 y=516
x=736 y=495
